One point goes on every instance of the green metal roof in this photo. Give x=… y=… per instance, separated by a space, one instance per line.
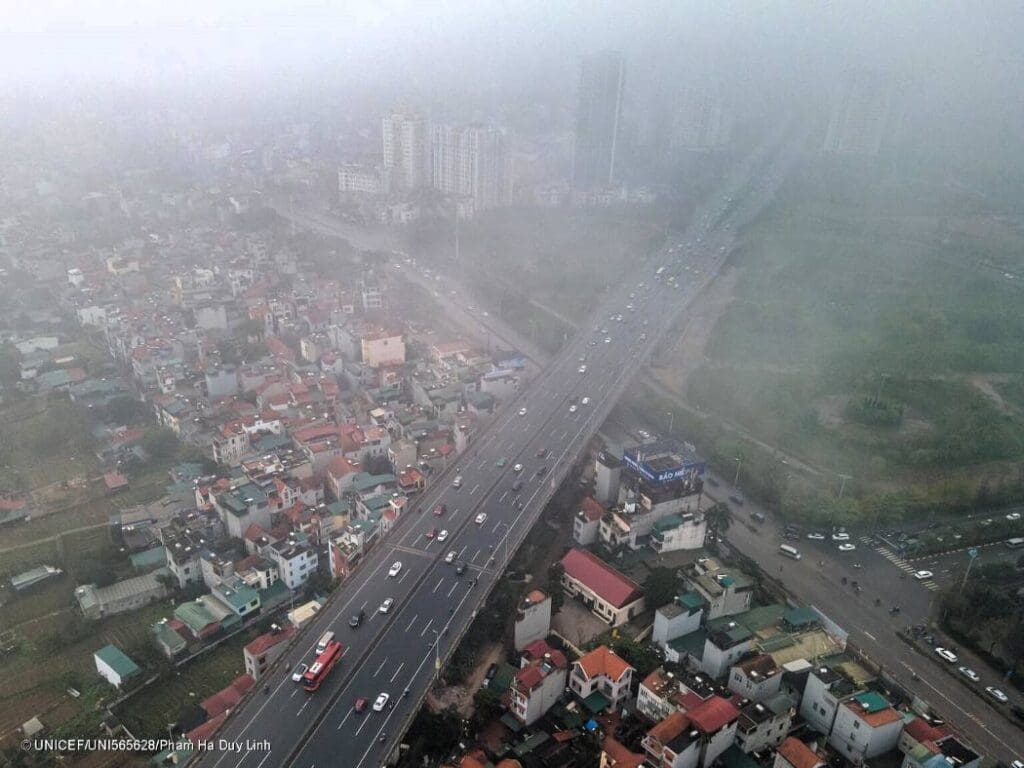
x=691 y=600
x=148 y=559
x=171 y=639
x=115 y=658
x=691 y=643
x=596 y=702
x=800 y=617
x=871 y=701
x=194 y=615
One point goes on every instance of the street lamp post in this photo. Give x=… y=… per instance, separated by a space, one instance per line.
x=437 y=655
x=842 y=485
x=671 y=421
x=508 y=532
x=736 y=479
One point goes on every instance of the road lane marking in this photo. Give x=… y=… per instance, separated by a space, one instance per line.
x=475 y=556
x=475 y=489
x=261 y=762
x=381 y=666
x=503 y=496
x=464 y=547
x=453 y=588
x=412 y=622
x=426 y=628
x=402 y=577
x=346 y=717
x=439 y=583
x=303 y=707
x=397 y=671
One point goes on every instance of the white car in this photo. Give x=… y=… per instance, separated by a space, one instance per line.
x=947 y=655
x=479 y=519
x=450 y=557
x=814 y=536
x=996 y=694
x=969 y=673
x=395 y=569
x=585 y=401
x=1013 y=516
x=572 y=409
x=607 y=339
x=522 y=411
x=841 y=536
x=922 y=575
x=442 y=535
x=386 y=605
x=847 y=547
x=583 y=369
x=299 y=672
x=517 y=468
x=380 y=702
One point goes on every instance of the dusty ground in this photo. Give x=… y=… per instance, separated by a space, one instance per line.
x=461 y=696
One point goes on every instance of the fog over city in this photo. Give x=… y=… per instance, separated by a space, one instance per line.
x=531 y=384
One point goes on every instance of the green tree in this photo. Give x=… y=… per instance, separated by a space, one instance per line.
x=126 y=410
x=486 y=705
x=160 y=443
x=10 y=364
x=660 y=587
x=718 y=517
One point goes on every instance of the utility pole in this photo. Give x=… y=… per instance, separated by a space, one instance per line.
x=972 y=554
x=671 y=421
x=842 y=485
x=736 y=479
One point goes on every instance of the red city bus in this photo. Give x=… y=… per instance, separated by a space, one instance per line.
x=322 y=667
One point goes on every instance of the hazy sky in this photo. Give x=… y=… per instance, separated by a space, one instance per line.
x=153 y=40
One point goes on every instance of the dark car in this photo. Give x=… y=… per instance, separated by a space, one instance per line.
x=440 y=509
x=736 y=499
x=460 y=568
x=791 y=536
x=541 y=452
x=541 y=471
x=357 y=619
x=1017 y=711
x=517 y=485
x=360 y=704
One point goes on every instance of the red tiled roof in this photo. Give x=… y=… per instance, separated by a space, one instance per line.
x=670 y=727
x=606 y=582
x=591 y=509
x=798 y=754
x=874 y=719
x=921 y=730
x=224 y=700
x=268 y=640
x=619 y=755
x=713 y=714
x=528 y=678
x=602 y=661
x=206 y=730
x=536 y=649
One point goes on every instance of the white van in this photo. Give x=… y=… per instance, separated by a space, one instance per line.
x=325 y=640
x=789 y=551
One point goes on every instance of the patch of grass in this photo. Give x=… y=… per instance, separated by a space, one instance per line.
x=147 y=713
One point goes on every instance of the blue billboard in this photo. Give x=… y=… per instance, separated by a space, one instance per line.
x=661 y=464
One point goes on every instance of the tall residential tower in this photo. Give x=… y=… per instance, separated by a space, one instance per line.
x=598 y=118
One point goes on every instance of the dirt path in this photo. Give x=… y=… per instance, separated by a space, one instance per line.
x=461 y=696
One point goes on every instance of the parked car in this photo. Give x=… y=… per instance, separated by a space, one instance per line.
x=922 y=575
x=969 y=673
x=840 y=536
x=996 y=694
x=847 y=547
x=946 y=654
x=735 y=498
x=816 y=536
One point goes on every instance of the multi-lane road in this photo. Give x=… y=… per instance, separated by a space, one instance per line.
x=507 y=476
